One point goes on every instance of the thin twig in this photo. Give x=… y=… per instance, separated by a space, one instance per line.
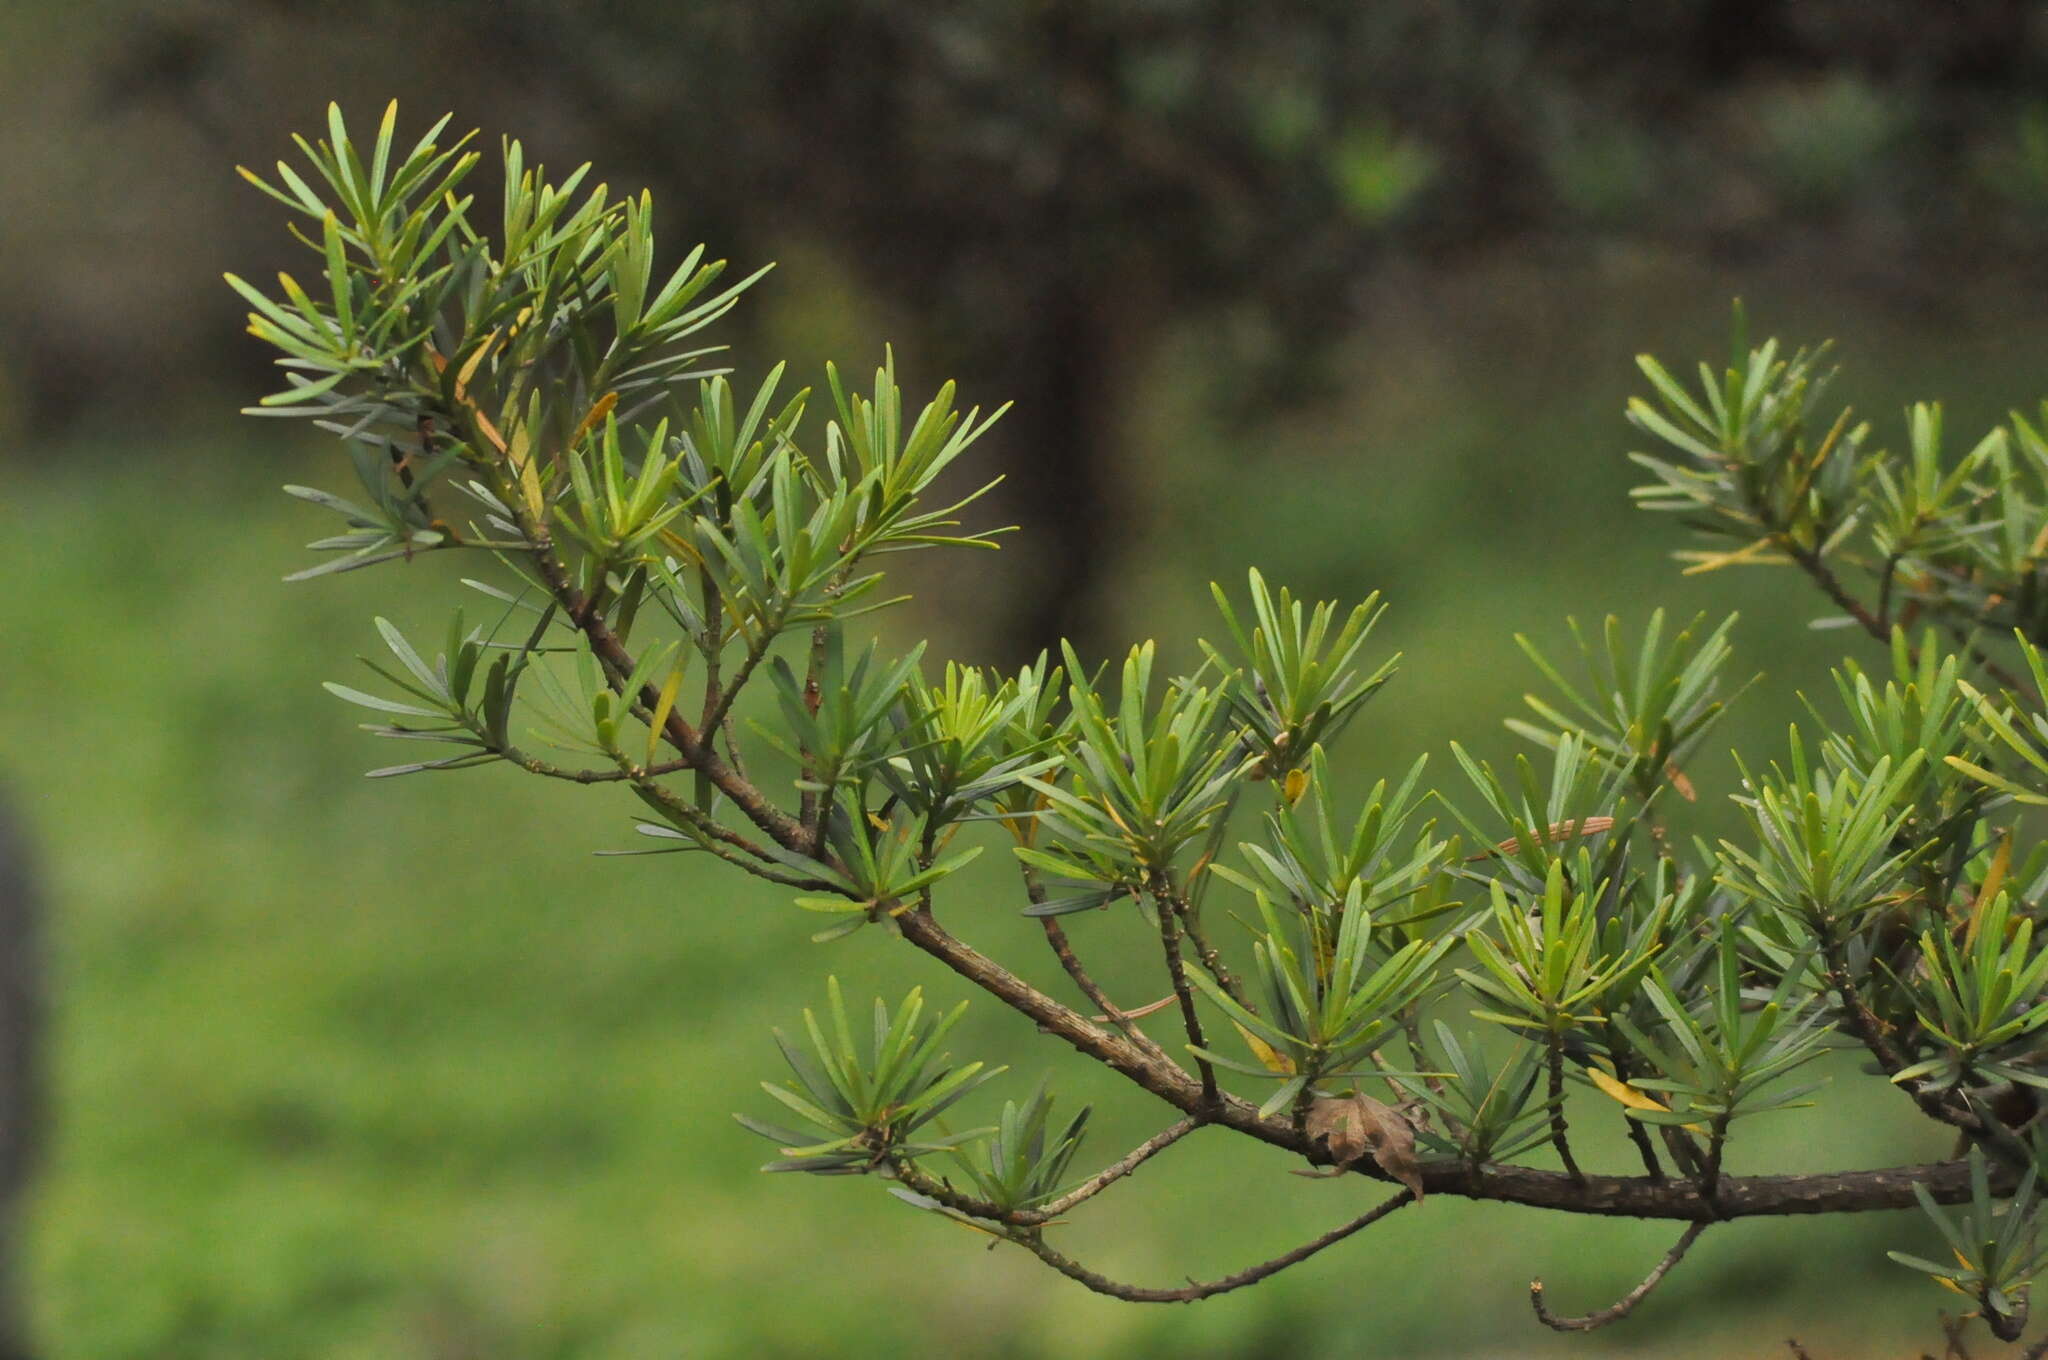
x=1822 y=575
x=721 y=708
x=1638 y=1132
x=814 y=808
x=1623 y=1306
x=1176 y=968
x=1646 y=1149
x=535 y=765
x=1885 y=580
x=642 y=778
x=2005 y=678
x=716 y=838
x=1717 y=1143
x=1865 y=1025
x=1558 y=1137
x=1206 y=953
x=937 y=1190
x=1102 y=1284
x=711 y=642
x=732 y=746
x=1685 y=1153
x=1119 y=1169
x=1952 y=1337
x=1063 y=950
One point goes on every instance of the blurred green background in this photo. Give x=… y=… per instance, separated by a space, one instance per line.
x=396 y=1069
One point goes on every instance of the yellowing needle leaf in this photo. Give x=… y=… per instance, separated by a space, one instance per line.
x=1623 y=1092
x=661 y=712
x=599 y=409
x=1994 y=881
x=1274 y=1060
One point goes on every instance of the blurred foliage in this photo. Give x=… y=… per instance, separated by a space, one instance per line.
x=1074 y=181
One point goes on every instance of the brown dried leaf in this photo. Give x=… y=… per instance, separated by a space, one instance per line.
x=1681 y=783
x=1339 y=1125
x=1150 y=1008
x=1554 y=834
x=1351 y=1126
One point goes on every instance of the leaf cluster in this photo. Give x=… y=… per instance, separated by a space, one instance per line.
x=864 y=1108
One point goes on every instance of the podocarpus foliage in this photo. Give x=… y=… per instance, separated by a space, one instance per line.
x=1426 y=973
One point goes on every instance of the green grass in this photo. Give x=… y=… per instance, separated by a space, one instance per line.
x=395 y=1069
